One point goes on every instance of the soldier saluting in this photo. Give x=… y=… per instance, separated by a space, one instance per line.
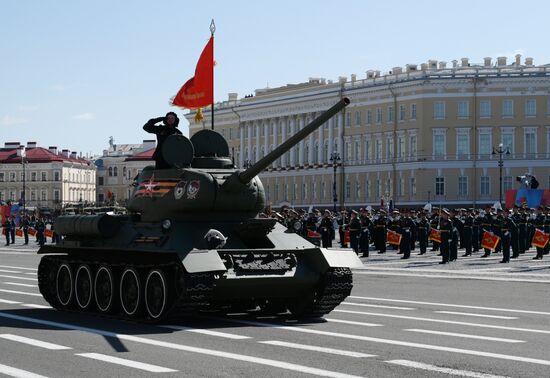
x=169 y=127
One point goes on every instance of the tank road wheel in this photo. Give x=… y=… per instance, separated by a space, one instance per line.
x=156 y=293
x=83 y=286
x=64 y=284
x=130 y=289
x=104 y=288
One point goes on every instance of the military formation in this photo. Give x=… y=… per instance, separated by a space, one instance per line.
x=28 y=225
x=444 y=231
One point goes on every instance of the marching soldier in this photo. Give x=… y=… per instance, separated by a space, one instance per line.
x=405 y=226
x=476 y=230
x=364 y=238
x=515 y=232
x=538 y=222
x=354 y=230
x=446 y=228
x=508 y=227
x=423 y=231
x=380 y=232
x=434 y=223
x=326 y=230
x=453 y=247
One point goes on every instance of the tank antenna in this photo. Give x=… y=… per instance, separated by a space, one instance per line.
x=212 y=31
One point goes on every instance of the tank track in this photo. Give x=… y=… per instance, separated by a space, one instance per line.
x=192 y=292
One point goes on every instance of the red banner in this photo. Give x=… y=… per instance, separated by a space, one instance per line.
x=346 y=237
x=32 y=232
x=313 y=234
x=489 y=241
x=394 y=238
x=540 y=238
x=199 y=90
x=435 y=235
x=19 y=232
x=48 y=233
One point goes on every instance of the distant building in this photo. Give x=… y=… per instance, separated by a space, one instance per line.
x=413 y=135
x=118 y=166
x=51 y=179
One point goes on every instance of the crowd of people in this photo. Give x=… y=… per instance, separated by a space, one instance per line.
x=405 y=230
x=28 y=225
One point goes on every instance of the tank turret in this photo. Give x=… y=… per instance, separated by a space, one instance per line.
x=204 y=179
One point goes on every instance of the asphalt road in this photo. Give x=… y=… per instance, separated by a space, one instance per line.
x=405 y=318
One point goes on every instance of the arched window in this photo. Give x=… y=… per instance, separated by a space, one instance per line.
x=316 y=153
x=110 y=171
x=115 y=171
x=124 y=171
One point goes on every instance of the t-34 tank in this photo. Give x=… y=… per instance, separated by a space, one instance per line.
x=193 y=241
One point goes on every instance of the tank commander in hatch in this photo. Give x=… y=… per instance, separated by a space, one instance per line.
x=169 y=127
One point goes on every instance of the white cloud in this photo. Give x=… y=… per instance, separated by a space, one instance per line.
x=12 y=121
x=84 y=117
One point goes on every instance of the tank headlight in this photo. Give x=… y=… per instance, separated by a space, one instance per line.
x=166 y=224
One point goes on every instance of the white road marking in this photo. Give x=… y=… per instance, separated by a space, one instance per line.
x=187 y=348
x=451 y=305
x=19 y=284
x=454 y=277
x=339 y=352
x=31 y=274
x=20 y=292
x=208 y=332
x=9 y=302
x=353 y=322
x=477 y=353
x=466 y=336
x=19 y=278
x=476 y=315
x=17 y=267
x=9 y=271
x=34 y=342
x=31 y=305
x=445 y=321
x=129 y=363
x=18 y=373
x=459 y=373
x=378 y=306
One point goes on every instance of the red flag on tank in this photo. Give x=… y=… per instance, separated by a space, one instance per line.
x=540 y=238
x=489 y=241
x=199 y=90
x=393 y=237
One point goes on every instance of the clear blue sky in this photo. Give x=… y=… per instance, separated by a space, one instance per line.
x=74 y=72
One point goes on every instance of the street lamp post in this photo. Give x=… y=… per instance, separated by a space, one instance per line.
x=334 y=158
x=500 y=150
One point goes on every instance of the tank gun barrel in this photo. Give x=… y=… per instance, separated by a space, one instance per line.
x=264 y=162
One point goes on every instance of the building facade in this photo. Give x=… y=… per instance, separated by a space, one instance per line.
x=45 y=178
x=418 y=134
x=118 y=166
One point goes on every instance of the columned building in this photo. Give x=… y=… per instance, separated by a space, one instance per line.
x=427 y=133
x=46 y=178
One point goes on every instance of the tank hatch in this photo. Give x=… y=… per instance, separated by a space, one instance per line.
x=211 y=150
x=178 y=151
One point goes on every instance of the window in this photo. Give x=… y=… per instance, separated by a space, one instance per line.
x=390 y=113
x=530 y=142
x=313 y=190
x=412 y=145
x=378 y=150
x=412 y=189
x=115 y=171
x=12 y=195
x=485 y=109
x=43 y=176
x=357 y=190
x=348 y=151
x=348 y=119
x=401 y=186
x=369 y=115
x=439 y=144
x=367 y=189
x=124 y=171
x=484 y=189
x=484 y=143
x=33 y=176
x=295 y=191
x=22 y=176
x=33 y=195
x=378 y=189
x=462 y=186
x=100 y=180
x=463 y=110
x=378 y=115
x=530 y=108
x=56 y=176
x=507 y=108
x=43 y=195
x=357 y=151
x=506 y=183
x=439 y=186
x=12 y=176
x=413 y=111
x=348 y=189
x=1 y=176
x=367 y=149
x=508 y=141
x=110 y=171
x=389 y=148
x=323 y=190
x=357 y=118
x=401 y=112
x=462 y=143
x=304 y=191
x=439 y=110
x=56 y=195
x=401 y=147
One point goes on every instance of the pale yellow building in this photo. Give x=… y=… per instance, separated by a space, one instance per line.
x=416 y=134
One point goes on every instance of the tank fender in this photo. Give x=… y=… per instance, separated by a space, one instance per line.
x=341 y=259
x=203 y=260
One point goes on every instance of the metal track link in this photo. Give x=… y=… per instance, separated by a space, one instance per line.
x=338 y=283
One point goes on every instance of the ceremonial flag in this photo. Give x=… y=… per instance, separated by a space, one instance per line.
x=313 y=234
x=435 y=235
x=48 y=233
x=199 y=90
x=540 y=238
x=489 y=240
x=393 y=237
x=32 y=232
x=346 y=237
x=19 y=232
